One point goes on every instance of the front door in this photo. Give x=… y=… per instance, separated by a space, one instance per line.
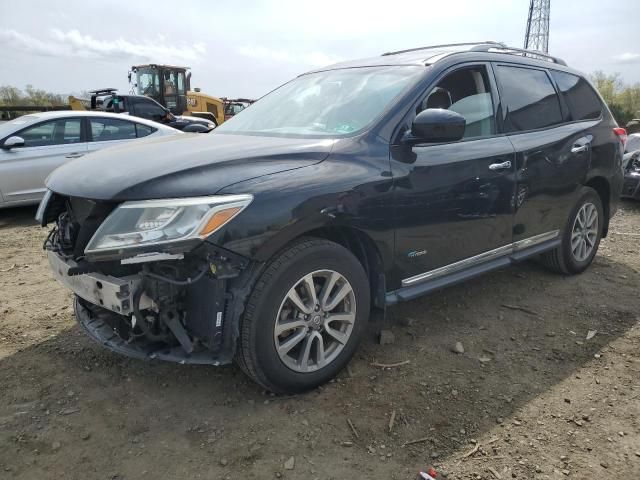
x=47 y=145
x=454 y=201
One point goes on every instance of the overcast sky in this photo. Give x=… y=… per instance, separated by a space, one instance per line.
x=248 y=47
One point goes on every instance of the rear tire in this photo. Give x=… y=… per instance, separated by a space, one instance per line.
x=324 y=336
x=580 y=236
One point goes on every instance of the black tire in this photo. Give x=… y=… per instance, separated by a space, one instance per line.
x=562 y=259
x=256 y=354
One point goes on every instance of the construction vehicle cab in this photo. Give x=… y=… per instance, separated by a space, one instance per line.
x=170 y=86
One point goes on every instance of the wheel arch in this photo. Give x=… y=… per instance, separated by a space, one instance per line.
x=603 y=189
x=364 y=249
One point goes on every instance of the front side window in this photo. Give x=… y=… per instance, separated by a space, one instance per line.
x=148 y=82
x=529 y=100
x=467 y=92
x=54 y=132
x=582 y=101
x=109 y=129
x=324 y=104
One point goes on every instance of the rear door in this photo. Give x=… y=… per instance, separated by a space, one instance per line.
x=105 y=132
x=552 y=153
x=453 y=200
x=48 y=145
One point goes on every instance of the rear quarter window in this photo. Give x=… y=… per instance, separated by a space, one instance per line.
x=582 y=101
x=144 y=130
x=529 y=100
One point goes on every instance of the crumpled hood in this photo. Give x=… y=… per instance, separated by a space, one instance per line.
x=182 y=165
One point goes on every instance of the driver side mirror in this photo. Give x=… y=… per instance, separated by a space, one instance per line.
x=13 y=142
x=436 y=125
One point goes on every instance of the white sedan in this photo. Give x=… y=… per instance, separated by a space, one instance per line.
x=34 y=145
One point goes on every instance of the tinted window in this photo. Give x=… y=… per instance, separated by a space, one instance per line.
x=150 y=111
x=106 y=129
x=467 y=92
x=54 y=132
x=529 y=100
x=582 y=101
x=144 y=130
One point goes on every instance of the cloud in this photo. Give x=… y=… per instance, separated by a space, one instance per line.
x=627 y=57
x=72 y=43
x=314 y=59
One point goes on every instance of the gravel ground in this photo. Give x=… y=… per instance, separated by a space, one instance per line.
x=533 y=396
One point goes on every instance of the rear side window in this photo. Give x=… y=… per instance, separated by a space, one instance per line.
x=144 y=130
x=528 y=99
x=106 y=129
x=582 y=101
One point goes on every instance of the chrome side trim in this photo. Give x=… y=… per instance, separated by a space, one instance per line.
x=460 y=265
x=535 y=240
x=481 y=258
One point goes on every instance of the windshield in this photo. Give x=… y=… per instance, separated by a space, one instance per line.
x=324 y=104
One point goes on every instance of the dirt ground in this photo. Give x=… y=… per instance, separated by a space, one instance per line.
x=530 y=398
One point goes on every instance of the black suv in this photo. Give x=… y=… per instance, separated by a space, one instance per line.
x=352 y=187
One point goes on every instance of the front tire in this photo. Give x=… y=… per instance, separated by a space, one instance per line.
x=305 y=317
x=580 y=237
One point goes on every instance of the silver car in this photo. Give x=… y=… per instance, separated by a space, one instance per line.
x=34 y=145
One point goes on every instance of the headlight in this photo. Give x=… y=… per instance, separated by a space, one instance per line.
x=158 y=222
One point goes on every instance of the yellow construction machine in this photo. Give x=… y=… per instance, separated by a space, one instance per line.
x=170 y=86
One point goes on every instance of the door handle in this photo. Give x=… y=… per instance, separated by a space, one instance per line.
x=580 y=148
x=500 y=166
x=75 y=155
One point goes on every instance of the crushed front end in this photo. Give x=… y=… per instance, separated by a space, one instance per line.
x=147 y=283
x=631 y=186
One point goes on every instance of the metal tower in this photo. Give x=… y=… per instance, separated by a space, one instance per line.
x=537 y=36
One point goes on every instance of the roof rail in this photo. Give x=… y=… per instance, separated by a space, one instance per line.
x=430 y=47
x=519 y=51
x=490 y=47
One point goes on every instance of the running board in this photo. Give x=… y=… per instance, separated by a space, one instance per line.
x=430 y=285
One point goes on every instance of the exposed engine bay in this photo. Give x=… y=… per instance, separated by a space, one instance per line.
x=171 y=306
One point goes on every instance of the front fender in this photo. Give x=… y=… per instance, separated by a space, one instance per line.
x=342 y=191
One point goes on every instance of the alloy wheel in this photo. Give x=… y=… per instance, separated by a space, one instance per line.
x=585 y=232
x=315 y=321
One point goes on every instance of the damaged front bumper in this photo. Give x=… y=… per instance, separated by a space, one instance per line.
x=98 y=326
x=193 y=323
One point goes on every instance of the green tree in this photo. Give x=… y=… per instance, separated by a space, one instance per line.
x=623 y=100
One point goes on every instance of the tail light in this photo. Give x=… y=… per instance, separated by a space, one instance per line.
x=621 y=133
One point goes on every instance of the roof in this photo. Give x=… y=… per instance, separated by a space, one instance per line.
x=161 y=65
x=424 y=56
x=37 y=117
